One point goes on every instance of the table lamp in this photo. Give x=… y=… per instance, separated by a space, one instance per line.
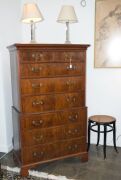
x=67 y=15
x=31 y=14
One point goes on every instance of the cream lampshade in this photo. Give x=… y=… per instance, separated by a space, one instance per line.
x=31 y=14
x=67 y=15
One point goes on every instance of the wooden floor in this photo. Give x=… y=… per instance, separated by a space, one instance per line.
x=95 y=169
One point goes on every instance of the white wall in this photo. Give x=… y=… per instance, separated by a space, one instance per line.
x=103 y=85
x=9 y=33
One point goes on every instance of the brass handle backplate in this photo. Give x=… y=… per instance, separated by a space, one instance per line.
x=36 y=69
x=36 y=103
x=37 y=123
x=34 y=86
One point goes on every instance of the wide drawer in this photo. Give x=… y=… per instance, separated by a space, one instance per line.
x=52 y=102
x=47 y=135
x=53 y=150
x=57 y=118
x=52 y=85
x=39 y=55
x=51 y=70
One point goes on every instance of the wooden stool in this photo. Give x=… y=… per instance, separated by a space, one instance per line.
x=106 y=121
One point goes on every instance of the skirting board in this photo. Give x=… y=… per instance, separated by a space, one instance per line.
x=6 y=149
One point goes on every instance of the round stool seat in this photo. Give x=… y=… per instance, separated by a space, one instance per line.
x=102 y=119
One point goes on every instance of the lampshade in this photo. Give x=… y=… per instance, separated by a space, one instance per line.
x=67 y=14
x=31 y=12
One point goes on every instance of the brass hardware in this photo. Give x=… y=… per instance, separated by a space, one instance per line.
x=69 y=147
x=67 y=57
x=37 y=123
x=35 y=103
x=36 y=69
x=69 y=83
x=69 y=132
x=71 y=99
x=74 y=99
x=76 y=130
x=76 y=146
x=35 y=154
x=71 y=67
x=38 y=138
x=73 y=117
x=36 y=85
x=37 y=56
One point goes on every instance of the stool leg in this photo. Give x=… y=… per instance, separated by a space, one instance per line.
x=114 y=136
x=104 y=146
x=89 y=125
x=98 y=135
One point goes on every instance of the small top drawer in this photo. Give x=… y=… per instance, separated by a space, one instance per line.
x=68 y=56
x=33 y=56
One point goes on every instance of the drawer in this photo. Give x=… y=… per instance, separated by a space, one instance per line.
x=71 y=147
x=54 y=150
x=52 y=102
x=51 y=70
x=45 y=120
x=52 y=85
x=32 y=56
x=43 y=136
x=68 y=56
x=69 y=100
x=38 y=103
x=39 y=153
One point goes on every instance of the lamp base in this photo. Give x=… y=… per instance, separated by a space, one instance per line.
x=67 y=42
x=33 y=42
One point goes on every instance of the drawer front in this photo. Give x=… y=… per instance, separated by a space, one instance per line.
x=43 y=136
x=32 y=56
x=51 y=70
x=45 y=120
x=52 y=102
x=52 y=85
x=73 y=147
x=38 y=103
x=54 y=150
x=64 y=101
x=50 y=56
x=67 y=56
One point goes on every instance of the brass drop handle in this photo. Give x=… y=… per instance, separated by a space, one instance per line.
x=38 y=138
x=72 y=148
x=69 y=132
x=36 y=56
x=73 y=117
x=37 y=123
x=71 y=67
x=34 y=86
x=35 y=154
x=76 y=130
x=75 y=146
x=71 y=99
x=36 y=69
x=36 y=103
x=69 y=147
x=69 y=83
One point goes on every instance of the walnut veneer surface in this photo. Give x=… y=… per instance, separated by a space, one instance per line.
x=49 y=110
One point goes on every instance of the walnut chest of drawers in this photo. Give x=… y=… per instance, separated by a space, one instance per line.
x=49 y=111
